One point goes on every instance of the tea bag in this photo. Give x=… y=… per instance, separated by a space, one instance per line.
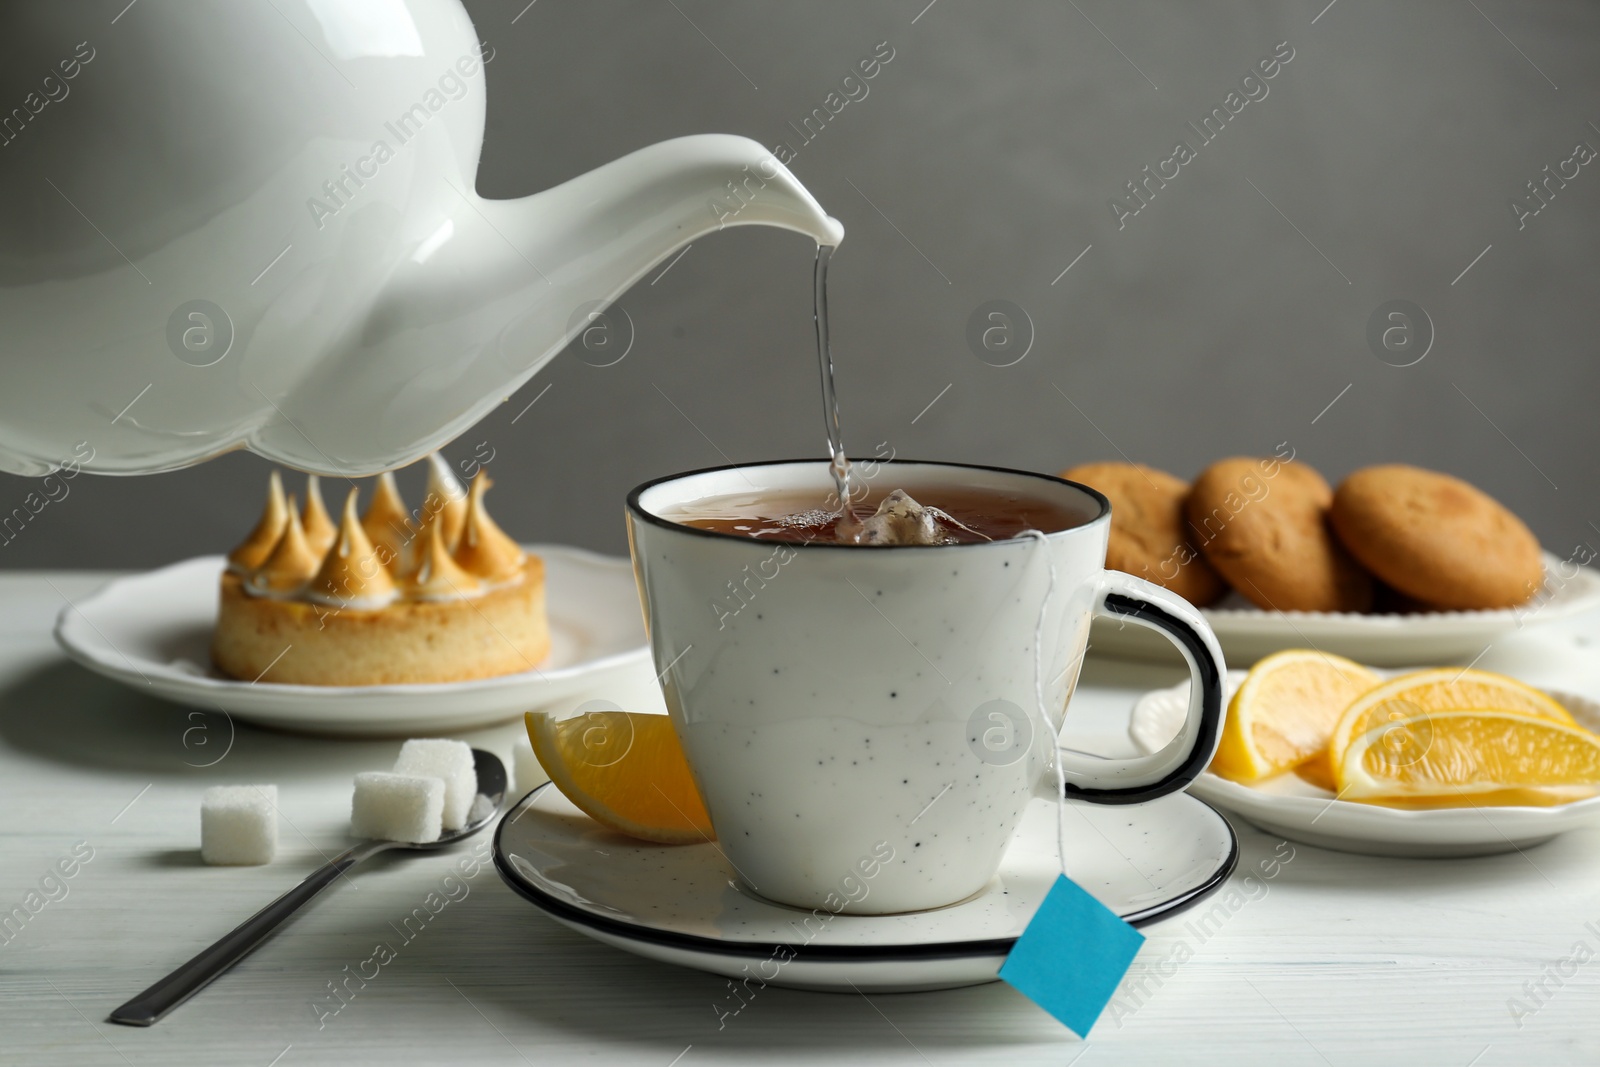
x=1069 y=922
x=900 y=520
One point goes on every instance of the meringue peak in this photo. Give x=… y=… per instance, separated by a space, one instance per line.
x=291 y=564
x=314 y=520
x=387 y=523
x=436 y=576
x=353 y=573
x=485 y=550
x=446 y=501
x=253 y=551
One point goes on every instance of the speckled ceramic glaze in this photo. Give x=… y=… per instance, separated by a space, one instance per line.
x=684 y=904
x=863 y=722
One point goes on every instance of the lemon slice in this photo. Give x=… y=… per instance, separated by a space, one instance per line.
x=1440 y=689
x=1467 y=755
x=1284 y=711
x=624 y=770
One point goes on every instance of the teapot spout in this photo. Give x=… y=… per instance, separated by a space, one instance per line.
x=499 y=287
x=539 y=267
x=603 y=230
x=693 y=185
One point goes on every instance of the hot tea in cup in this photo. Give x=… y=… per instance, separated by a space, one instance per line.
x=864 y=720
x=955 y=514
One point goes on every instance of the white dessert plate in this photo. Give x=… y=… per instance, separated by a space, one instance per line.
x=682 y=903
x=152 y=631
x=1294 y=808
x=1247 y=633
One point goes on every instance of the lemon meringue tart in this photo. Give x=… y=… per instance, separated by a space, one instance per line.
x=387 y=597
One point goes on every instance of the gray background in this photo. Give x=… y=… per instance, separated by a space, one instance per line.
x=1222 y=320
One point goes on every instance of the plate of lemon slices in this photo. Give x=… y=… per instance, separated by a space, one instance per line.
x=1441 y=762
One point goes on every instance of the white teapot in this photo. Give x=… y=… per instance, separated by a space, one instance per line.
x=254 y=225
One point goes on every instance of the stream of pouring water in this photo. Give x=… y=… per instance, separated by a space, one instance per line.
x=840 y=464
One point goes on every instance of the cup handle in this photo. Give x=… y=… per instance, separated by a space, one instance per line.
x=1133 y=781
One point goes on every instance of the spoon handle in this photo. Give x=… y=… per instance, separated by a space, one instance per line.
x=150 y=1006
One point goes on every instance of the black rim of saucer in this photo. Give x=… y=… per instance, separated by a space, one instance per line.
x=999 y=946
x=638 y=511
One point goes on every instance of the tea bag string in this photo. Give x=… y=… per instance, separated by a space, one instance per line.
x=1038 y=693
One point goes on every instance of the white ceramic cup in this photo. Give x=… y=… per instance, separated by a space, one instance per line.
x=862 y=721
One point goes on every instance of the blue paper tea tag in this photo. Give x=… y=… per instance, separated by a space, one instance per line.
x=1072 y=955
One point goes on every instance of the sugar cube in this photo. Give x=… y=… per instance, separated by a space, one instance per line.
x=239 y=824
x=397 y=807
x=452 y=763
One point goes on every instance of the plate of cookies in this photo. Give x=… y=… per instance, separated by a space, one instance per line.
x=1397 y=565
x=375 y=623
x=1442 y=761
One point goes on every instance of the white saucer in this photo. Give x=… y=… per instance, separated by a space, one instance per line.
x=1294 y=808
x=1247 y=633
x=152 y=632
x=682 y=904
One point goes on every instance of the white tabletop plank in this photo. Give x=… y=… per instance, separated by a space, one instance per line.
x=1338 y=959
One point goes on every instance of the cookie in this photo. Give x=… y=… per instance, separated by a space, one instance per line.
x=1263 y=524
x=1436 y=538
x=1147 y=531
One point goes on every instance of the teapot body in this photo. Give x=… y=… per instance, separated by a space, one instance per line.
x=230 y=225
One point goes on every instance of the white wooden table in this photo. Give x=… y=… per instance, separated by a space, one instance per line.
x=1339 y=960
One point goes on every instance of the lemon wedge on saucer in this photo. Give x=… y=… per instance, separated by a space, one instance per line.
x=624 y=770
